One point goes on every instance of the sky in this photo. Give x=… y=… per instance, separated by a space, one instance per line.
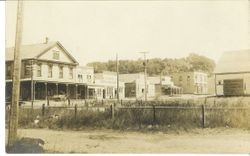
x=97 y=30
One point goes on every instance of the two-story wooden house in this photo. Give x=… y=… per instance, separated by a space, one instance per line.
x=47 y=69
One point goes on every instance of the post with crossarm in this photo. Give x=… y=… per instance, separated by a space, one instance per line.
x=13 y=118
x=145 y=75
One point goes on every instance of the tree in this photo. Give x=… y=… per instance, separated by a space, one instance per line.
x=156 y=66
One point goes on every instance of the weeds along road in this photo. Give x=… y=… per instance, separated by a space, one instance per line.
x=223 y=140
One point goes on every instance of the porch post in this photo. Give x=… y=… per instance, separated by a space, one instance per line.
x=56 y=88
x=67 y=90
x=34 y=96
x=76 y=91
x=46 y=91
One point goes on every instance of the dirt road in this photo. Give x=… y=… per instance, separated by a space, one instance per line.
x=110 y=141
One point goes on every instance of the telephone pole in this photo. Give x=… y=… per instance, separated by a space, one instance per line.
x=145 y=75
x=13 y=118
x=117 y=75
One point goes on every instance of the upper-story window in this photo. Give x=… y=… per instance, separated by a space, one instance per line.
x=27 y=68
x=60 y=71
x=220 y=82
x=188 y=80
x=50 y=67
x=89 y=77
x=39 y=70
x=80 y=78
x=196 y=78
x=56 y=55
x=180 y=78
x=71 y=73
x=8 y=70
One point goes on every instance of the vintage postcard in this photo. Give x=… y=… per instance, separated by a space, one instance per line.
x=126 y=77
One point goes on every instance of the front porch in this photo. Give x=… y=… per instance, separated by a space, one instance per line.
x=45 y=90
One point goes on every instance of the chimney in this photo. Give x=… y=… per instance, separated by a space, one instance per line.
x=46 y=40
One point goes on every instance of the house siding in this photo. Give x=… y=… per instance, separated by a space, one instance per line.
x=221 y=77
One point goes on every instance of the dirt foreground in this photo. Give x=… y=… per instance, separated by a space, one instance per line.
x=110 y=141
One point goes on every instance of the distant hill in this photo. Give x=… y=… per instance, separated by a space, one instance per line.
x=155 y=66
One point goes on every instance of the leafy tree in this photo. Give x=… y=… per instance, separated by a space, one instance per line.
x=156 y=66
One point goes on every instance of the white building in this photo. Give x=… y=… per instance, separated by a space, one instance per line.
x=232 y=73
x=49 y=67
x=105 y=86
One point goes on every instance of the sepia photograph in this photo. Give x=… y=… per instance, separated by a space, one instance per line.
x=127 y=77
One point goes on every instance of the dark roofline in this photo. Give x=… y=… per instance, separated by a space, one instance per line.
x=243 y=72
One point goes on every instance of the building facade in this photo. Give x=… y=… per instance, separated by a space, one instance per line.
x=47 y=69
x=135 y=86
x=232 y=74
x=191 y=82
x=105 y=86
x=163 y=85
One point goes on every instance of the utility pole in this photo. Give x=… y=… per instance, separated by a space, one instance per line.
x=145 y=75
x=117 y=75
x=32 y=85
x=13 y=118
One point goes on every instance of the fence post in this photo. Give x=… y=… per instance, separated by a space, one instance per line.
x=47 y=101
x=154 y=117
x=121 y=102
x=203 y=116
x=87 y=104
x=112 y=108
x=75 y=111
x=43 y=110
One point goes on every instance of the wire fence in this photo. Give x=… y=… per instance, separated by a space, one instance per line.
x=138 y=114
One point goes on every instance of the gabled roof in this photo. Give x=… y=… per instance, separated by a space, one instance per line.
x=234 y=62
x=33 y=51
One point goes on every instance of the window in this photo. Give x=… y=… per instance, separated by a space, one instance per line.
x=196 y=78
x=27 y=68
x=180 y=78
x=39 y=70
x=219 y=82
x=89 y=77
x=56 y=55
x=60 y=71
x=80 y=78
x=8 y=70
x=188 y=80
x=50 y=67
x=71 y=73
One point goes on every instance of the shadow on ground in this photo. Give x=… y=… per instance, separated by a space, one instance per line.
x=27 y=145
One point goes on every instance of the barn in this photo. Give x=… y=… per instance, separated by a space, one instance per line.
x=232 y=74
